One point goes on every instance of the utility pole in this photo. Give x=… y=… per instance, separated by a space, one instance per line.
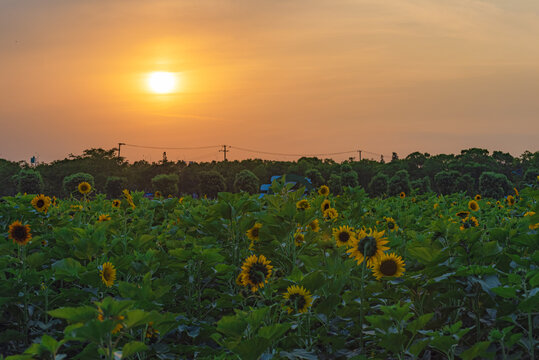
x=224 y=151
x=119 y=148
x=382 y=159
x=359 y=151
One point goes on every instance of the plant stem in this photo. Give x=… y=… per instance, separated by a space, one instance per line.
x=361 y=306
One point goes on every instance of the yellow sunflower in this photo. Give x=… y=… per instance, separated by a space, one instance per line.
x=299 y=238
x=303 y=204
x=414 y=200
x=151 y=332
x=343 y=235
x=157 y=194
x=298 y=299
x=326 y=204
x=510 y=200
x=388 y=265
x=116 y=203
x=19 y=233
x=324 y=190
x=477 y=197
x=473 y=205
x=529 y=213
x=391 y=225
x=119 y=319
x=534 y=226
x=254 y=232
x=516 y=192
x=85 y=188
x=435 y=206
x=108 y=274
x=463 y=214
x=402 y=195
x=468 y=223
x=255 y=272
x=129 y=198
x=368 y=246
x=41 y=203
x=314 y=225
x=331 y=214
x=104 y=217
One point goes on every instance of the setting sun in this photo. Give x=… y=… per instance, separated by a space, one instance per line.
x=161 y=82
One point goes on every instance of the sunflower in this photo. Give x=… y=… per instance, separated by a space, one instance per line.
x=516 y=192
x=402 y=195
x=477 y=197
x=119 y=318
x=324 y=190
x=76 y=207
x=314 y=225
x=391 y=225
x=297 y=299
x=299 y=238
x=255 y=272
x=303 y=204
x=331 y=214
x=534 y=226
x=435 y=206
x=388 y=265
x=19 y=233
x=326 y=204
x=104 y=217
x=510 y=200
x=151 y=332
x=108 y=274
x=529 y=213
x=157 y=194
x=41 y=203
x=414 y=200
x=85 y=188
x=463 y=214
x=129 y=198
x=343 y=235
x=116 y=203
x=368 y=245
x=254 y=232
x=469 y=222
x=473 y=205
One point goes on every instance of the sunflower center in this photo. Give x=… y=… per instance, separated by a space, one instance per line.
x=391 y=225
x=254 y=232
x=40 y=203
x=367 y=246
x=107 y=273
x=19 y=233
x=344 y=236
x=297 y=301
x=388 y=267
x=258 y=273
x=326 y=206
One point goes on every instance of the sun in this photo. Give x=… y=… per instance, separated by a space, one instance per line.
x=162 y=82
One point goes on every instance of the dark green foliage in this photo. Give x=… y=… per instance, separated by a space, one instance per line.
x=445 y=181
x=335 y=184
x=246 y=181
x=530 y=176
x=211 y=183
x=465 y=183
x=378 y=184
x=494 y=185
x=71 y=182
x=8 y=170
x=421 y=186
x=29 y=181
x=400 y=182
x=115 y=185
x=348 y=176
x=315 y=176
x=167 y=184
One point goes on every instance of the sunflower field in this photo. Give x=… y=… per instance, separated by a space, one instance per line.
x=285 y=276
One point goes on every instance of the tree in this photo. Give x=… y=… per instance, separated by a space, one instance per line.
x=167 y=184
x=400 y=182
x=315 y=176
x=246 y=181
x=71 y=183
x=445 y=181
x=211 y=183
x=494 y=185
x=335 y=184
x=29 y=181
x=421 y=186
x=348 y=176
x=465 y=183
x=378 y=184
x=114 y=186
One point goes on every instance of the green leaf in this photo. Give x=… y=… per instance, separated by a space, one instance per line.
x=418 y=346
x=75 y=314
x=506 y=292
x=133 y=347
x=423 y=254
x=419 y=323
x=529 y=305
x=478 y=350
x=273 y=332
x=137 y=317
x=231 y=326
x=251 y=349
x=443 y=343
x=50 y=343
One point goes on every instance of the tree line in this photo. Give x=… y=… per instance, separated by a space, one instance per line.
x=473 y=171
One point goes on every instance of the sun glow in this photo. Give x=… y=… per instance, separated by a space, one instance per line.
x=161 y=82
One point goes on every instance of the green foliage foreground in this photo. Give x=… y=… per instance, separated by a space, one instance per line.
x=172 y=265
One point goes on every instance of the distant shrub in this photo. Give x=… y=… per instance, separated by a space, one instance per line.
x=167 y=184
x=421 y=186
x=378 y=184
x=400 y=182
x=335 y=184
x=246 y=181
x=530 y=176
x=71 y=183
x=115 y=185
x=8 y=177
x=445 y=181
x=211 y=183
x=494 y=185
x=466 y=183
x=348 y=176
x=316 y=177
x=29 y=181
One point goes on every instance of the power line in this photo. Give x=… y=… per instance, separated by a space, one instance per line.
x=172 y=148
x=284 y=154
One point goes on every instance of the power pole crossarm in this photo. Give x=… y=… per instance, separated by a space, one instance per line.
x=120 y=148
x=224 y=151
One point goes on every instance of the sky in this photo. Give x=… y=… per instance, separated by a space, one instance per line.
x=280 y=76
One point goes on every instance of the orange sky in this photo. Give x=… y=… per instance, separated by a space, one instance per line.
x=289 y=76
